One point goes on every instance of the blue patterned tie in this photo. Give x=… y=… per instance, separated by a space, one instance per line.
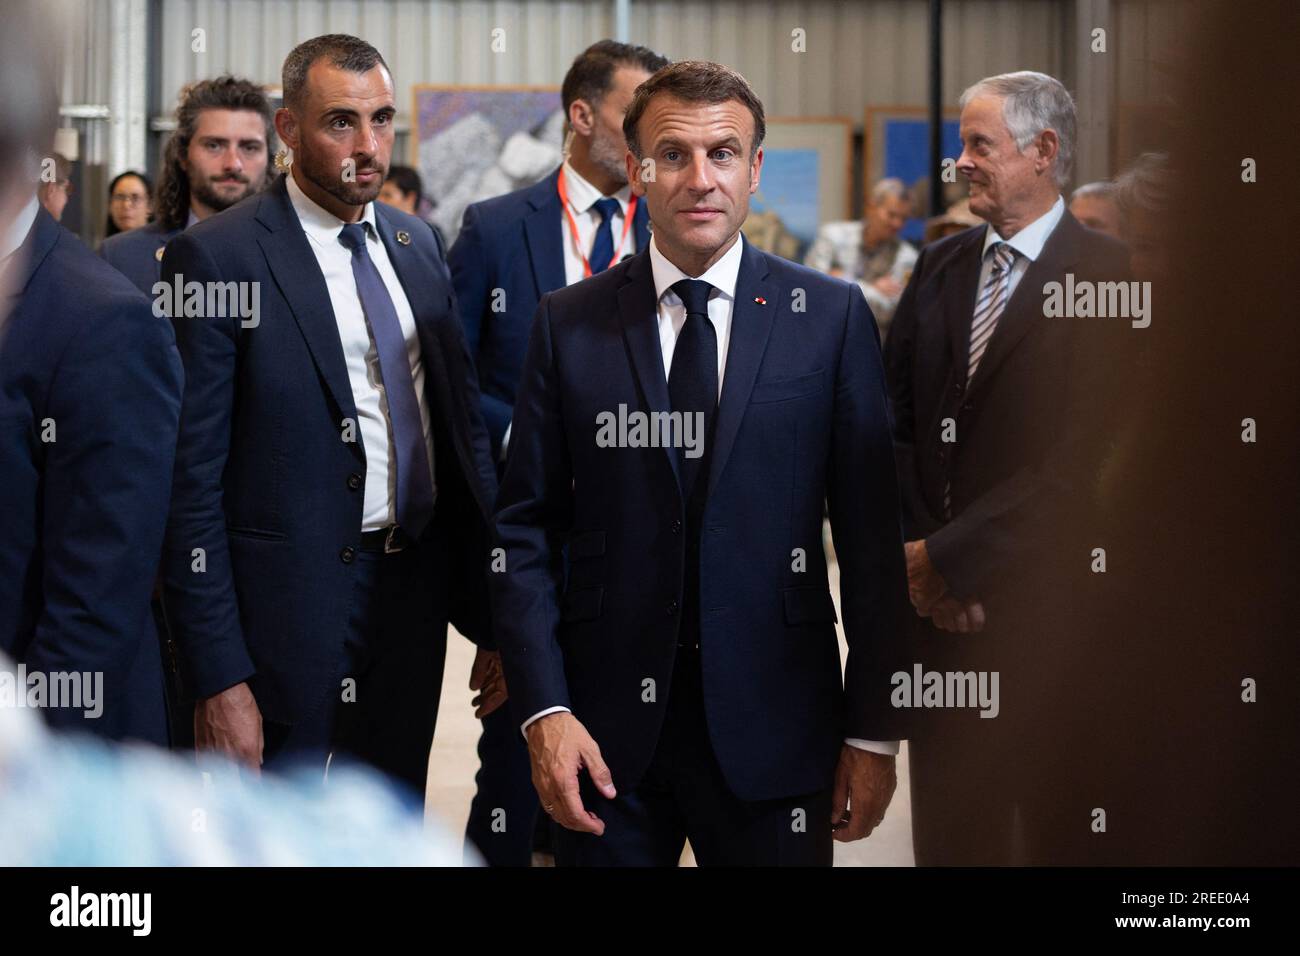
x=414 y=477
x=602 y=250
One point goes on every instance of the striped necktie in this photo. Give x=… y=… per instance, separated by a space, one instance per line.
x=992 y=302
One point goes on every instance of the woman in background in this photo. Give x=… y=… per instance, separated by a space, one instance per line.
x=129 y=202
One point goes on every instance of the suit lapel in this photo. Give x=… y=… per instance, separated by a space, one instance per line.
x=961 y=289
x=1025 y=308
x=751 y=324
x=297 y=273
x=544 y=235
x=638 y=312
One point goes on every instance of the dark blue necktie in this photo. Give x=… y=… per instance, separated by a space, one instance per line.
x=414 y=477
x=602 y=250
x=693 y=377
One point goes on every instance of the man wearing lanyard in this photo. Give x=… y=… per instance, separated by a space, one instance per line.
x=510 y=251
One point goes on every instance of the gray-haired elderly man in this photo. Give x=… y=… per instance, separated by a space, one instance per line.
x=999 y=402
x=869 y=251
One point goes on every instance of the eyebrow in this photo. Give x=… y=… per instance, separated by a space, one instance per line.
x=730 y=142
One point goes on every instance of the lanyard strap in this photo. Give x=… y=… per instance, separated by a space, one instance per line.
x=573 y=225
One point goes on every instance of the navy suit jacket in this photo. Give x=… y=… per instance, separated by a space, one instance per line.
x=514 y=243
x=266 y=483
x=802 y=420
x=137 y=253
x=83 y=506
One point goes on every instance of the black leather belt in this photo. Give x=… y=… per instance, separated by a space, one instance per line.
x=388 y=540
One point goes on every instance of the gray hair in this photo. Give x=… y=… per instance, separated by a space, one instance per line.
x=1031 y=103
x=1143 y=187
x=345 y=52
x=1102 y=189
x=888 y=188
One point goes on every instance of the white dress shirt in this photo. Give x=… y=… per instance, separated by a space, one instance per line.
x=1029 y=242
x=671 y=315
x=323 y=229
x=582 y=206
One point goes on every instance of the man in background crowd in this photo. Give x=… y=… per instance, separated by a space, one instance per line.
x=217 y=156
x=1096 y=206
x=869 y=251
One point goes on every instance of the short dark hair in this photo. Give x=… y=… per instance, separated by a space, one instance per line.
x=172 y=202
x=110 y=228
x=344 y=51
x=695 y=81
x=407 y=180
x=592 y=73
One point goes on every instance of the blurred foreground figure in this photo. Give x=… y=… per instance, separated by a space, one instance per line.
x=69 y=800
x=90 y=394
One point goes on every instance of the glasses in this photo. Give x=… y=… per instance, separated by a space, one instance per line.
x=129 y=199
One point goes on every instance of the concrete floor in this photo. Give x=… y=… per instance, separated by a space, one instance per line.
x=453 y=763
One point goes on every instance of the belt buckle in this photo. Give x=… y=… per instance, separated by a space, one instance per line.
x=389 y=546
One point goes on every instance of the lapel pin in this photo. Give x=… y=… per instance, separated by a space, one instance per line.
x=760 y=300
x=403 y=237
x=158 y=255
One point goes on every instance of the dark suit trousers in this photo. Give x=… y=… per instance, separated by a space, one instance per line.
x=684 y=796
x=504 y=812
x=395 y=649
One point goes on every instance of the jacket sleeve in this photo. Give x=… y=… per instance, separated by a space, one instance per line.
x=198 y=580
x=534 y=513
x=114 y=403
x=862 y=495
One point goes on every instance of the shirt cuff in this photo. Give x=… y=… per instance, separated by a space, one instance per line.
x=523 y=728
x=888 y=748
x=505 y=443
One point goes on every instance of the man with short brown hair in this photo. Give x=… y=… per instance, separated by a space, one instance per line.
x=664 y=614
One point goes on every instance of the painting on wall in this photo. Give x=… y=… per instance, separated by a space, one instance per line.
x=806 y=180
x=897 y=143
x=471 y=143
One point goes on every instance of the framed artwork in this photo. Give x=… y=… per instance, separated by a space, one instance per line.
x=806 y=180
x=896 y=142
x=474 y=142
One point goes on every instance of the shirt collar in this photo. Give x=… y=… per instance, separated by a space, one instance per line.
x=583 y=195
x=321 y=225
x=191 y=219
x=721 y=275
x=16 y=233
x=1029 y=241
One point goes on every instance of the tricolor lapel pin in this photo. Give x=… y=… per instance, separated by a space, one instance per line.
x=760 y=300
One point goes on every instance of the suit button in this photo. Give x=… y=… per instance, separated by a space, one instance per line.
x=354 y=481
x=347 y=554
x=677 y=526
x=672 y=608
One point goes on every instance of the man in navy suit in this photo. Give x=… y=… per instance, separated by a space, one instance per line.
x=664 y=614
x=90 y=398
x=510 y=252
x=333 y=479
x=217 y=156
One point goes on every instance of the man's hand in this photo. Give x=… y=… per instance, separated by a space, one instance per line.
x=888 y=285
x=864 y=785
x=558 y=745
x=924 y=584
x=230 y=724
x=487 y=677
x=962 y=617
